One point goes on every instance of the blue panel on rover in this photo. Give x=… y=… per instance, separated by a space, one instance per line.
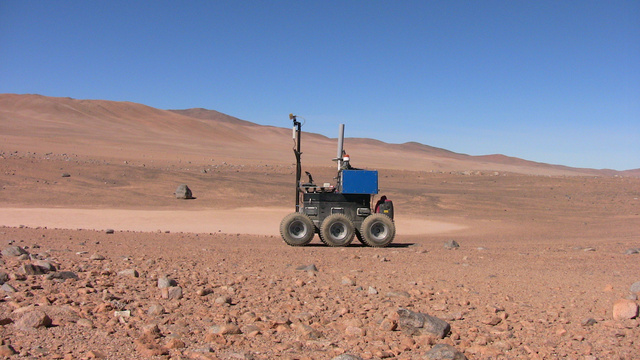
x=359 y=181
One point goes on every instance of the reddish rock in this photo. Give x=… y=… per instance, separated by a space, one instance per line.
x=624 y=309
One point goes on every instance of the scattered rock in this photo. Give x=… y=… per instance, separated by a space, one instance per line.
x=372 y=291
x=589 y=322
x=171 y=293
x=165 y=282
x=183 y=192
x=414 y=322
x=347 y=357
x=226 y=329
x=66 y=175
x=635 y=287
x=14 y=251
x=8 y=288
x=7 y=350
x=33 y=320
x=348 y=281
x=624 y=309
x=129 y=272
x=31 y=269
x=451 y=244
x=311 y=267
x=444 y=352
x=61 y=275
x=96 y=257
x=109 y=231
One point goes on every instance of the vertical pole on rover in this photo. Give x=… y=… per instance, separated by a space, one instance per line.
x=340 y=145
x=297 y=134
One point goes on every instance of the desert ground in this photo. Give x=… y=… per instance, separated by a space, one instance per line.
x=520 y=260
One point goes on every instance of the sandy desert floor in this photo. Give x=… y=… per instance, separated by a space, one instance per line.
x=542 y=263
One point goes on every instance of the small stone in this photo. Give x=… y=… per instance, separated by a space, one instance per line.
x=66 y=175
x=155 y=309
x=33 y=320
x=398 y=294
x=348 y=281
x=388 y=325
x=7 y=350
x=122 y=313
x=4 y=277
x=129 y=272
x=8 y=288
x=109 y=231
x=221 y=300
x=354 y=331
x=589 y=322
x=172 y=293
x=372 y=291
x=635 y=287
x=14 y=251
x=96 y=257
x=493 y=321
x=31 y=269
x=174 y=343
x=165 y=282
x=85 y=323
x=624 y=309
x=346 y=357
x=226 y=329
x=451 y=244
x=311 y=267
x=61 y=275
x=444 y=352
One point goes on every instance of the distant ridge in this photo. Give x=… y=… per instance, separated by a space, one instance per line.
x=127 y=130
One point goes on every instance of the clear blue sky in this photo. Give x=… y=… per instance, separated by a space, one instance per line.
x=550 y=81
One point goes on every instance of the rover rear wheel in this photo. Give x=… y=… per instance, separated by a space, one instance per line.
x=378 y=230
x=337 y=230
x=297 y=229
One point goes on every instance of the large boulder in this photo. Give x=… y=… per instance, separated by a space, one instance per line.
x=183 y=192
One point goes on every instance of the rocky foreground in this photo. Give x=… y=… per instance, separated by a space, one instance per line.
x=80 y=294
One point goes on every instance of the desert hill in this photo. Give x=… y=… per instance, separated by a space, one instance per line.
x=131 y=131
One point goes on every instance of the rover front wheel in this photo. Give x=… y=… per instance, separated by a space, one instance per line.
x=337 y=230
x=378 y=230
x=297 y=229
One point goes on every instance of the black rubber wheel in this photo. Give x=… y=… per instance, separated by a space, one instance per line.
x=337 y=230
x=378 y=230
x=297 y=229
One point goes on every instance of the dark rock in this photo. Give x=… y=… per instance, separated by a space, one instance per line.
x=14 y=251
x=31 y=269
x=109 y=231
x=62 y=275
x=444 y=352
x=419 y=323
x=65 y=175
x=4 y=277
x=183 y=192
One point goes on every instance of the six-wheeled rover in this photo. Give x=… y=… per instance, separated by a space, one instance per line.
x=339 y=212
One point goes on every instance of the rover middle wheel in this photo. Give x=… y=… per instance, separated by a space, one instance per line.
x=297 y=229
x=337 y=230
